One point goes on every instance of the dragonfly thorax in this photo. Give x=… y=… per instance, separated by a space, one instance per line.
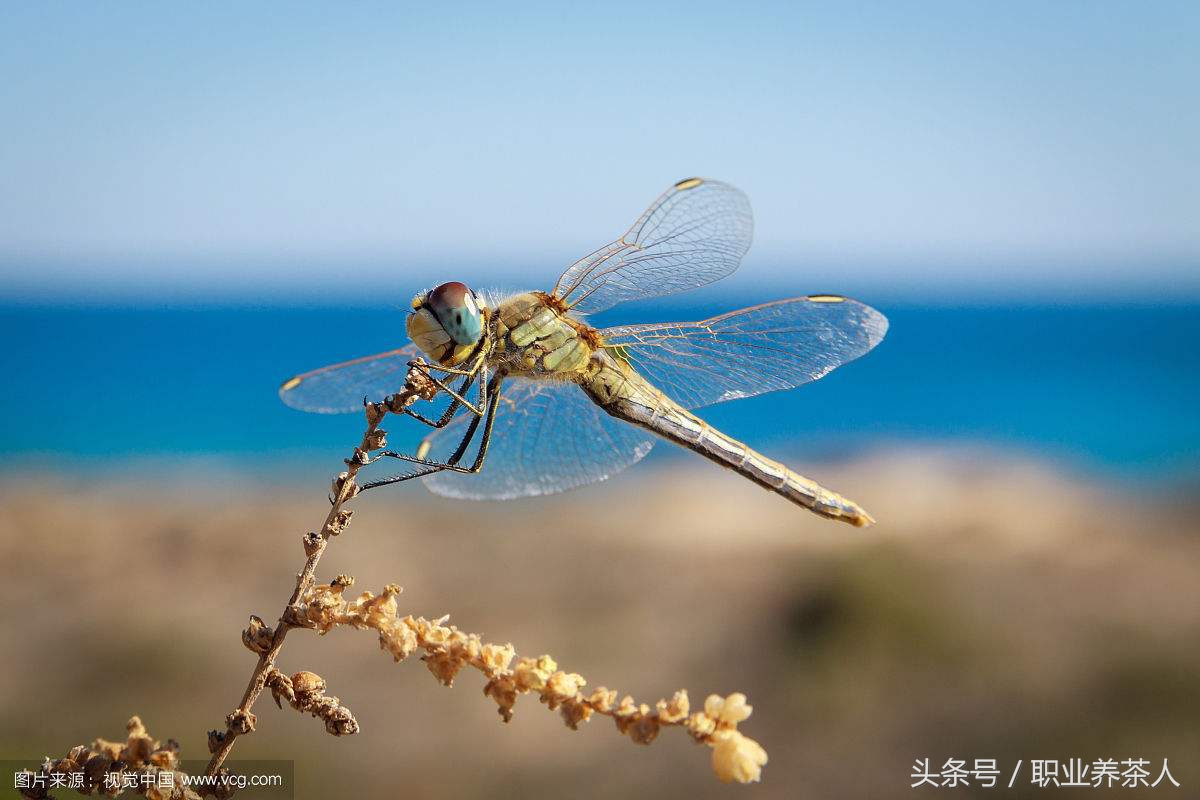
x=535 y=335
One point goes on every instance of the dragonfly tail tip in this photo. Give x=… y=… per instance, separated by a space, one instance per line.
x=859 y=518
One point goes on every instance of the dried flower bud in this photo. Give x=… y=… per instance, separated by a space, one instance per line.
x=630 y=718
x=305 y=692
x=444 y=666
x=139 y=748
x=340 y=722
x=496 y=658
x=737 y=758
x=603 y=699
x=216 y=739
x=627 y=708
x=419 y=383
x=675 y=711
x=503 y=690
x=560 y=687
x=280 y=686
x=297 y=618
x=339 y=522
x=167 y=756
x=374 y=612
x=643 y=729
x=110 y=750
x=399 y=640
x=700 y=726
x=241 y=721
x=376 y=439
x=312 y=543
x=532 y=674
x=575 y=711
x=727 y=711
x=307 y=685
x=257 y=636
x=466 y=647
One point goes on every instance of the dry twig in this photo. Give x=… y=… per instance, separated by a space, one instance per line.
x=242 y=720
x=447 y=650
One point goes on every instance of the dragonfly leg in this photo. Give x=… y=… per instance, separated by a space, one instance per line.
x=425 y=366
x=459 y=400
x=456 y=404
x=486 y=439
x=452 y=463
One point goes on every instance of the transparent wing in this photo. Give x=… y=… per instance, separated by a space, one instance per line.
x=694 y=234
x=339 y=388
x=548 y=437
x=759 y=349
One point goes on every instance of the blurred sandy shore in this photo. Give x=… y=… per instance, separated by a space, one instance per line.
x=998 y=610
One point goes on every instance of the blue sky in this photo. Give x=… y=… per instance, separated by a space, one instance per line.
x=226 y=148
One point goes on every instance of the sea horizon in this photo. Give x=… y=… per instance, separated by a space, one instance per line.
x=1099 y=387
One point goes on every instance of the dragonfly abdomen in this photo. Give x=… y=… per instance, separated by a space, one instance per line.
x=625 y=394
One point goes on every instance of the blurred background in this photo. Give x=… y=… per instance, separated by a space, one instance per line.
x=197 y=202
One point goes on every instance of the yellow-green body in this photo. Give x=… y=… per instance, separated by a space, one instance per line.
x=534 y=336
x=535 y=339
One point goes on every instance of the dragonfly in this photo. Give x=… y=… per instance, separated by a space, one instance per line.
x=548 y=402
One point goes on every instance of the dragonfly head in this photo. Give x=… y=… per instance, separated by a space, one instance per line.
x=447 y=322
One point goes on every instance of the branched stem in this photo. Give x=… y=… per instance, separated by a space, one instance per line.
x=445 y=649
x=242 y=720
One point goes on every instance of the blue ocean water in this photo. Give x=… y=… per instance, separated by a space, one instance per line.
x=1108 y=388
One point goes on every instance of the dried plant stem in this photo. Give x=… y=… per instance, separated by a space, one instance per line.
x=242 y=720
x=446 y=650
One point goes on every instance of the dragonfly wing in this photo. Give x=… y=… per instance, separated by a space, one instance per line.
x=548 y=437
x=759 y=349
x=342 y=387
x=694 y=234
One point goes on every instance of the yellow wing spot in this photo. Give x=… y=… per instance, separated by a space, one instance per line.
x=826 y=298
x=688 y=183
x=291 y=383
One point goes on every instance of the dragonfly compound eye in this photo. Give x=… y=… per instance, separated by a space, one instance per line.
x=457 y=310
